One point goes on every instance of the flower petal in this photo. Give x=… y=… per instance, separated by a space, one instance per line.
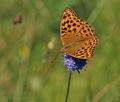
x=73 y=63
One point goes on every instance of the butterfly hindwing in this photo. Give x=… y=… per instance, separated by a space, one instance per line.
x=83 y=50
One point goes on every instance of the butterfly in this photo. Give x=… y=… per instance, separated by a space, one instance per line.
x=77 y=36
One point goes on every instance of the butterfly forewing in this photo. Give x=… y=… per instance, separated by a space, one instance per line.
x=78 y=38
x=70 y=26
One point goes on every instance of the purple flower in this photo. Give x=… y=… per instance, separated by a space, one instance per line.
x=74 y=64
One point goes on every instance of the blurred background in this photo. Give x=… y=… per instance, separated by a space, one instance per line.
x=30 y=40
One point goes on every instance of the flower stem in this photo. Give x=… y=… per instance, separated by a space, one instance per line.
x=68 y=87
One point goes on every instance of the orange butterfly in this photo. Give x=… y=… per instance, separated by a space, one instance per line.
x=77 y=36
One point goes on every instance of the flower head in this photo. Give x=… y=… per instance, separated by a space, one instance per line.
x=74 y=64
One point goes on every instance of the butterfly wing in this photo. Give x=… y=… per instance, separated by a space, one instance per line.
x=78 y=38
x=69 y=27
x=82 y=49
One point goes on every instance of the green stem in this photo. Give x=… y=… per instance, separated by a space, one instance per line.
x=68 y=87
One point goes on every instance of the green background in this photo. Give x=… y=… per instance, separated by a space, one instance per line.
x=27 y=73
